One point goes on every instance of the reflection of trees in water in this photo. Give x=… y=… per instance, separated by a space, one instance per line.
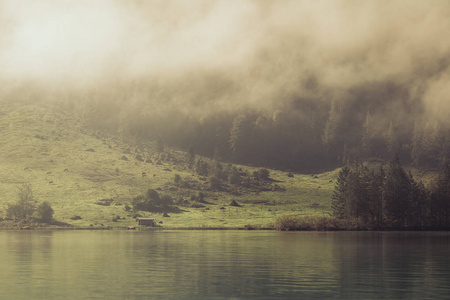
x=391 y=265
x=208 y=264
x=26 y=261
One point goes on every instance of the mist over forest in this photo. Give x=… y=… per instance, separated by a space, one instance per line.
x=300 y=85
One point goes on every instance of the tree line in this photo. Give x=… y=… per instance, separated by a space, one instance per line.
x=390 y=198
x=309 y=136
x=299 y=133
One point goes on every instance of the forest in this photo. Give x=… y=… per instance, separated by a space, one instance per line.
x=391 y=198
x=303 y=135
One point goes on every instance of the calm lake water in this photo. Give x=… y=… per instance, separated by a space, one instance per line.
x=224 y=265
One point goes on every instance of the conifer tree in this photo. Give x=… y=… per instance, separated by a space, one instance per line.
x=440 y=200
x=190 y=156
x=391 y=140
x=330 y=132
x=431 y=144
x=375 y=194
x=418 y=209
x=239 y=137
x=396 y=194
x=367 y=133
x=416 y=151
x=340 y=194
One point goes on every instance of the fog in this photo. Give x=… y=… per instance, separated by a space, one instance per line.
x=229 y=54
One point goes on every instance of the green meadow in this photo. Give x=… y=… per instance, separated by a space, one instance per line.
x=75 y=169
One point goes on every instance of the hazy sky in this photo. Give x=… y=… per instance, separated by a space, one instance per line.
x=266 y=50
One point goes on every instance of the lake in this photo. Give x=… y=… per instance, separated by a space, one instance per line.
x=224 y=265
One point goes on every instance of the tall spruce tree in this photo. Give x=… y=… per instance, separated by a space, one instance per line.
x=375 y=192
x=416 y=150
x=240 y=137
x=341 y=194
x=391 y=140
x=440 y=200
x=396 y=194
x=330 y=132
x=367 y=134
x=418 y=197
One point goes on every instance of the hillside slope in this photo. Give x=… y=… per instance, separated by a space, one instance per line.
x=74 y=168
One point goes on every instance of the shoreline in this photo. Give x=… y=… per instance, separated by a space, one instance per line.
x=199 y=228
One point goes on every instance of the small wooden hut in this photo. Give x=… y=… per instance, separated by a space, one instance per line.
x=146 y=221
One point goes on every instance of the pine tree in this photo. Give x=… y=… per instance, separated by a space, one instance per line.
x=240 y=137
x=444 y=153
x=431 y=144
x=440 y=200
x=340 y=194
x=416 y=151
x=396 y=194
x=375 y=195
x=330 y=132
x=418 y=204
x=391 y=140
x=367 y=134
x=190 y=156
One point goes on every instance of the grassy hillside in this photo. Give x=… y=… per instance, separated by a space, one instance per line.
x=74 y=168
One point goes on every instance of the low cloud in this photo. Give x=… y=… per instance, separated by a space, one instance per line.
x=257 y=53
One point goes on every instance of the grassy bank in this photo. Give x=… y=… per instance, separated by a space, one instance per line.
x=76 y=169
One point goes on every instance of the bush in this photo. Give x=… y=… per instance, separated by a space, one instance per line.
x=152 y=196
x=201 y=197
x=214 y=183
x=140 y=203
x=261 y=174
x=234 y=177
x=290 y=223
x=151 y=201
x=166 y=200
x=44 y=212
x=177 y=179
x=201 y=167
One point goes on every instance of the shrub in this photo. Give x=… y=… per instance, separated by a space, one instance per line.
x=166 y=200
x=177 y=179
x=214 y=183
x=44 y=212
x=234 y=177
x=201 y=197
x=289 y=223
x=140 y=203
x=261 y=174
x=217 y=170
x=151 y=201
x=201 y=167
x=152 y=196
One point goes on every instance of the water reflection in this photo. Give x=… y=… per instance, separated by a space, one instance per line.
x=223 y=265
x=393 y=265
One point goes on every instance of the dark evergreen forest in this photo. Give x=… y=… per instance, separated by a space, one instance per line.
x=390 y=198
x=303 y=134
